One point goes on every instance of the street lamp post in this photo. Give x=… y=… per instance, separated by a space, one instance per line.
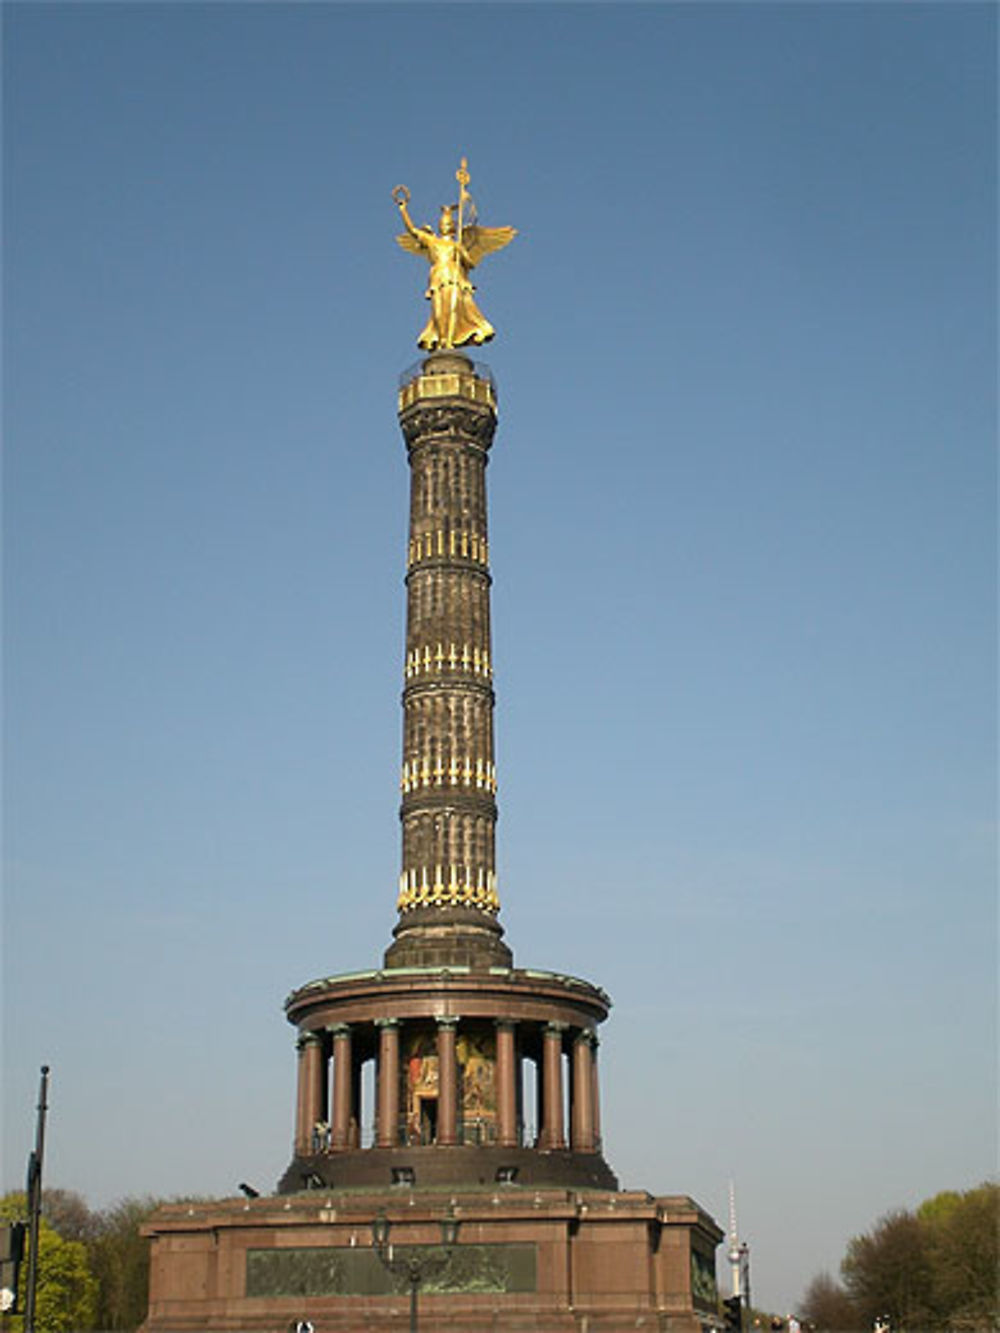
x=35 y=1204
x=418 y=1263
x=745 y=1275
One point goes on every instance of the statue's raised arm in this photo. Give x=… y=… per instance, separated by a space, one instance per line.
x=451 y=252
x=413 y=239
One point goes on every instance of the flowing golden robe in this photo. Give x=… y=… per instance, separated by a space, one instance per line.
x=455 y=318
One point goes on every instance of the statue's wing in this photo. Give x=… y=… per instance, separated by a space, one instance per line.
x=408 y=242
x=481 y=241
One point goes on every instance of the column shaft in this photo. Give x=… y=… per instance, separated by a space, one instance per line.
x=595 y=1098
x=357 y=1110
x=309 y=1107
x=553 y=1126
x=506 y=1086
x=539 y=1108
x=582 y=1119
x=301 y=1102
x=449 y=774
x=342 y=1087
x=387 y=1129
x=447 y=1114
x=316 y=1062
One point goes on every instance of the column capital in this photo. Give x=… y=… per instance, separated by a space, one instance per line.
x=447 y=1020
x=586 y=1036
x=339 y=1030
x=387 y=1022
x=505 y=1023
x=555 y=1029
x=308 y=1039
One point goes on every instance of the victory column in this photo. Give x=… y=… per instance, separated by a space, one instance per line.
x=537 y=1234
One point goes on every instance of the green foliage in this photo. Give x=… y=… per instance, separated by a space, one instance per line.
x=66 y=1295
x=120 y=1259
x=93 y=1265
x=67 y=1289
x=939 y=1207
x=964 y=1256
x=932 y=1269
x=886 y=1272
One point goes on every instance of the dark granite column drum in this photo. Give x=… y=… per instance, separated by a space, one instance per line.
x=448 y=892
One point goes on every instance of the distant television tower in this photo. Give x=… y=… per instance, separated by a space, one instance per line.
x=738 y=1254
x=734 y=1244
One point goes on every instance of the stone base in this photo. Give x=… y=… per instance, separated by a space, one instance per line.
x=549 y=1020
x=526 y=1261
x=448 y=937
x=437 y=1167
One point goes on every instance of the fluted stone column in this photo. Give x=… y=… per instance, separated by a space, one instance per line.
x=387 y=1114
x=595 y=1098
x=553 y=1127
x=448 y=778
x=301 y=1137
x=357 y=1110
x=447 y=1116
x=539 y=1102
x=582 y=1095
x=342 y=1087
x=309 y=1103
x=506 y=1071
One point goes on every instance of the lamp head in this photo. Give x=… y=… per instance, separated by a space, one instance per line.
x=380 y=1229
x=449 y=1228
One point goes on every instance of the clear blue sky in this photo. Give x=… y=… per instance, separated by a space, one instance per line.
x=743 y=521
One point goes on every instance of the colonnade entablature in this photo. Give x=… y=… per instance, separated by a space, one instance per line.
x=447 y=1058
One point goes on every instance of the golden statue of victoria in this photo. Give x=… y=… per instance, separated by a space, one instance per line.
x=451 y=252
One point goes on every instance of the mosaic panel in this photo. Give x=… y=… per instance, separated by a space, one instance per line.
x=344 y=1271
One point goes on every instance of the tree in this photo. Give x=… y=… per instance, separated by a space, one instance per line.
x=886 y=1272
x=827 y=1307
x=68 y=1213
x=933 y=1269
x=964 y=1256
x=120 y=1259
x=66 y=1295
x=97 y=1255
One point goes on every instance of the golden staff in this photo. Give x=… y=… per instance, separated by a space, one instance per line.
x=462 y=176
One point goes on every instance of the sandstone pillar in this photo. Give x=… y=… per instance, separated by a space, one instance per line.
x=553 y=1133
x=506 y=1074
x=595 y=1097
x=387 y=1112
x=582 y=1095
x=342 y=1087
x=309 y=1103
x=447 y=1115
x=357 y=1110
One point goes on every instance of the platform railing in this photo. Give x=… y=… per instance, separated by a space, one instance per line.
x=471 y=1133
